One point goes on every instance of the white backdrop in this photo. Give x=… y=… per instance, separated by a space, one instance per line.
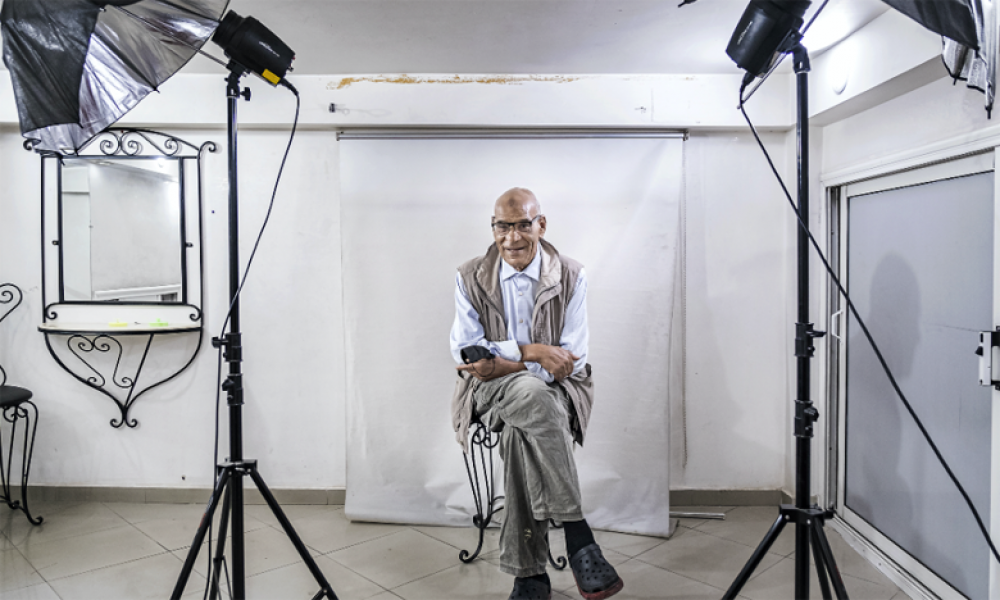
x=413 y=210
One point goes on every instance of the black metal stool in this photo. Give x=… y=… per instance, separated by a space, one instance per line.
x=16 y=406
x=479 y=467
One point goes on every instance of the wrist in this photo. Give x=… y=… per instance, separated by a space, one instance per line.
x=528 y=353
x=508 y=366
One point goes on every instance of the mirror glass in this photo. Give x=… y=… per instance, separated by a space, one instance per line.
x=121 y=224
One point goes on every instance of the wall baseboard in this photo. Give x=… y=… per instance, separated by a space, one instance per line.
x=336 y=496
x=53 y=493
x=728 y=497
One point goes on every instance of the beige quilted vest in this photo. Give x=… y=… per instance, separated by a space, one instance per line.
x=481 y=277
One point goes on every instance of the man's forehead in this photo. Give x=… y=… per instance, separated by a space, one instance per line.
x=517 y=206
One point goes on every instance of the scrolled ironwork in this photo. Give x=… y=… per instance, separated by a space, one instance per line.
x=124 y=143
x=130 y=141
x=9 y=294
x=480 y=469
x=49 y=313
x=108 y=144
x=480 y=458
x=13 y=415
x=10 y=298
x=82 y=343
x=102 y=342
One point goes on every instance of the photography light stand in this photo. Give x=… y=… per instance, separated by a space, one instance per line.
x=808 y=519
x=229 y=487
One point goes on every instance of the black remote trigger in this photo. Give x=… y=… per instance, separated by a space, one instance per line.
x=471 y=354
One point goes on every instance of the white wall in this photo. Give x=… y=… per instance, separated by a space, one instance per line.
x=909 y=125
x=914 y=122
x=290 y=318
x=737 y=408
x=738 y=252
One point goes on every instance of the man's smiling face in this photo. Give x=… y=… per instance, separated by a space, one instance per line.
x=518 y=212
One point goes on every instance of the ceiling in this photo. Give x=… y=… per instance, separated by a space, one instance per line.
x=520 y=36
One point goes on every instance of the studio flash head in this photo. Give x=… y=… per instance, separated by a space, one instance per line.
x=767 y=29
x=253 y=46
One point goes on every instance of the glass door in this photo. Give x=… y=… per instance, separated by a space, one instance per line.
x=917 y=256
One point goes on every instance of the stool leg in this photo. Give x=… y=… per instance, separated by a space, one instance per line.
x=29 y=449
x=482 y=441
x=18 y=413
x=559 y=564
x=5 y=493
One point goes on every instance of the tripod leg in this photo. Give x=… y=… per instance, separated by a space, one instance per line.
x=828 y=562
x=325 y=588
x=824 y=585
x=758 y=554
x=199 y=537
x=220 y=550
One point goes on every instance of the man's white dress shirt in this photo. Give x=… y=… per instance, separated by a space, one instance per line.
x=518 y=289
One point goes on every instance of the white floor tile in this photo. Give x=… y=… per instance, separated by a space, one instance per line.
x=62 y=558
x=705 y=558
x=265 y=549
x=16 y=572
x=146 y=579
x=71 y=521
x=328 y=531
x=117 y=550
x=35 y=592
x=779 y=582
x=397 y=559
x=297 y=581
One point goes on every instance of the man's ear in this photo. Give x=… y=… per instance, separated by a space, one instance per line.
x=541 y=226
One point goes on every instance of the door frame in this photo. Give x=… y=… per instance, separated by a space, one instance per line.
x=965 y=157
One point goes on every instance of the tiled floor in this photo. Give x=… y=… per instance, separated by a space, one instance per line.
x=107 y=551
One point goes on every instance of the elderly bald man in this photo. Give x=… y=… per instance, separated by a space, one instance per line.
x=526 y=304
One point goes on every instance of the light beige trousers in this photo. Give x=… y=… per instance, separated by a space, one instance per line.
x=540 y=479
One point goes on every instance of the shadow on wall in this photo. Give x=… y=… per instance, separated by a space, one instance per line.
x=894 y=321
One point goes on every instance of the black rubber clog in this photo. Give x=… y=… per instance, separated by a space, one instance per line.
x=595 y=577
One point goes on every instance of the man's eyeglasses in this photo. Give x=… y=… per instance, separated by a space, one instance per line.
x=503 y=228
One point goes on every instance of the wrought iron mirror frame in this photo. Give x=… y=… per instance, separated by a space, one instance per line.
x=127 y=144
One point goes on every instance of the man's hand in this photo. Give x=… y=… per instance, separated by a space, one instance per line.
x=554 y=359
x=491 y=368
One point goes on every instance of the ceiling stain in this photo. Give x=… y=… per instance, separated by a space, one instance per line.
x=455 y=79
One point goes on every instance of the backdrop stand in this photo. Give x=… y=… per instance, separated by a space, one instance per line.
x=231 y=472
x=808 y=519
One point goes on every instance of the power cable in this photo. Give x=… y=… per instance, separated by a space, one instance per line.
x=868 y=336
x=246 y=272
x=267 y=217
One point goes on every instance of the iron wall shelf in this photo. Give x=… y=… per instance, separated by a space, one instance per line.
x=85 y=338
x=83 y=324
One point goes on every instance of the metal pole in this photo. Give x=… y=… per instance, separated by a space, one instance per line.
x=804 y=410
x=234 y=383
x=808 y=520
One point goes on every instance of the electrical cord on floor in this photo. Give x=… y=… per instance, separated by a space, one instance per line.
x=871 y=340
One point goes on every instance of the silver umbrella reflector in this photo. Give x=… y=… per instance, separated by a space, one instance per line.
x=79 y=65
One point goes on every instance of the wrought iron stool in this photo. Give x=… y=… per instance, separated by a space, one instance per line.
x=16 y=406
x=479 y=466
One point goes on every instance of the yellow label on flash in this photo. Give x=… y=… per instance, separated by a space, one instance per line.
x=270 y=77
